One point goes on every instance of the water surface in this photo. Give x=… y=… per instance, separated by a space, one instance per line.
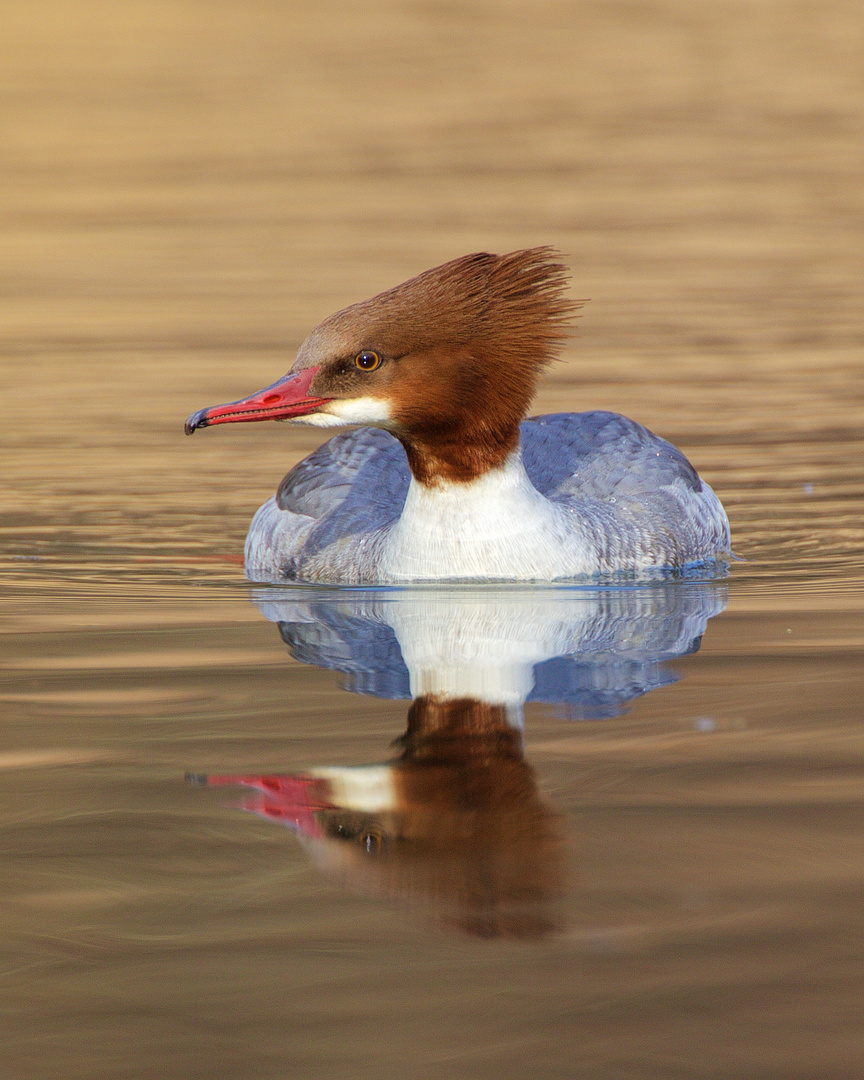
x=688 y=862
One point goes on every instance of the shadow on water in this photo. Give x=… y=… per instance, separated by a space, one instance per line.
x=456 y=821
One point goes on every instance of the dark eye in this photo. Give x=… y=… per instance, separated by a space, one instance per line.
x=372 y=842
x=367 y=361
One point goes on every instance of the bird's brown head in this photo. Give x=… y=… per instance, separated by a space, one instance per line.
x=447 y=361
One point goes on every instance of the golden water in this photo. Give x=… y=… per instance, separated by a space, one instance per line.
x=187 y=189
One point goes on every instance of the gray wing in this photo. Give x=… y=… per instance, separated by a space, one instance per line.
x=634 y=492
x=359 y=479
x=595 y=455
x=364 y=474
x=353 y=485
x=356 y=483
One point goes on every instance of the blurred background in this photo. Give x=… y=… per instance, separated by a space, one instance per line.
x=188 y=187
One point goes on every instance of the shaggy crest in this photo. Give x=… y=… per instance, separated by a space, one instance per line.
x=511 y=306
x=478 y=331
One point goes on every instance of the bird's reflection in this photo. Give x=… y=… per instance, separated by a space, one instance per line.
x=456 y=819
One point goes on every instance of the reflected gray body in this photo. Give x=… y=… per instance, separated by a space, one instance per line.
x=592 y=649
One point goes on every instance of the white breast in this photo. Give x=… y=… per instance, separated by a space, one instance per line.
x=497 y=527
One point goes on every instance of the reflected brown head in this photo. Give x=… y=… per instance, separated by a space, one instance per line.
x=455 y=824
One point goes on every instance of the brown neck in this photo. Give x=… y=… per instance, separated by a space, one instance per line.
x=460 y=729
x=457 y=412
x=436 y=456
x=480 y=836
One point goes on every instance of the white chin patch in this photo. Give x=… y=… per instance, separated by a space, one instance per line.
x=363 y=410
x=367 y=788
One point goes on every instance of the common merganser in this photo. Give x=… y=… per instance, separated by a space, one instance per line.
x=446 y=481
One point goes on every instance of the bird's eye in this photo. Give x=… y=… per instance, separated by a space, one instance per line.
x=372 y=841
x=367 y=361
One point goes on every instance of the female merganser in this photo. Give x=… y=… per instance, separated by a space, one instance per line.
x=447 y=482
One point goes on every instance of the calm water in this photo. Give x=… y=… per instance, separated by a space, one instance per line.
x=532 y=833
x=666 y=871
